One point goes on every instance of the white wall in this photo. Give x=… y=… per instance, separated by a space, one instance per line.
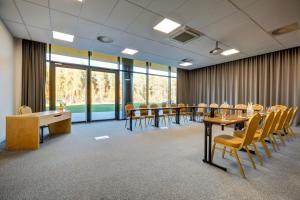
x=6 y=77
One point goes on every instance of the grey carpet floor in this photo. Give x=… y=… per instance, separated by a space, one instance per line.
x=144 y=164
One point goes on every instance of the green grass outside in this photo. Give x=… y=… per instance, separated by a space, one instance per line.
x=95 y=107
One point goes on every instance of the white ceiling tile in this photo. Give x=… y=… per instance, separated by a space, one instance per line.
x=199 y=13
x=97 y=10
x=87 y=29
x=273 y=14
x=40 y=2
x=240 y=33
x=123 y=14
x=82 y=43
x=17 y=29
x=34 y=15
x=63 y=22
x=143 y=3
x=290 y=39
x=165 y=6
x=244 y=3
x=143 y=26
x=39 y=34
x=106 y=48
x=9 y=11
x=69 y=6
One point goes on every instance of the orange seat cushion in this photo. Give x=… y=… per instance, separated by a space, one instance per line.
x=228 y=140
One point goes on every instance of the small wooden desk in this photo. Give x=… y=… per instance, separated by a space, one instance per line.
x=22 y=131
x=208 y=122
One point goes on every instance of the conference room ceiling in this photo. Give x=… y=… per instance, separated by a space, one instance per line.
x=241 y=24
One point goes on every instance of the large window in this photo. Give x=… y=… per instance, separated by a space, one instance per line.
x=158 y=89
x=173 y=90
x=71 y=89
x=94 y=85
x=139 y=89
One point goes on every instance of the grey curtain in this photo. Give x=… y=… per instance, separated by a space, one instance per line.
x=33 y=74
x=267 y=79
x=182 y=86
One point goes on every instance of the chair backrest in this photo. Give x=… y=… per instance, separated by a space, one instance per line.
x=288 y=117
x=275 y=121
x=224 y=108
x=267 y=125
x=127 y=108
x=294 y=115
x=143 y=112
x=182 y=107
x=154 y=105
x=257 y=107
x=281 y=120
x=278 y=107
x=173 y=105
x=165 y=111
x=214 y=105
x=240 y=106
x=251 y=129
x=202 y=110
x=24 y=110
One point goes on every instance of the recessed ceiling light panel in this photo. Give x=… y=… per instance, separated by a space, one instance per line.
x=166 y=26
x=130 y=51
x=230 y=52
x=186 y=64
x=63 y=36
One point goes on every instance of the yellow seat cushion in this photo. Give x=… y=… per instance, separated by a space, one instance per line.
x=228 y=140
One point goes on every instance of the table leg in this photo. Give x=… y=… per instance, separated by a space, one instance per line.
x=207 y=147
x=130 y=121
x=177 y=115
x=156 y=118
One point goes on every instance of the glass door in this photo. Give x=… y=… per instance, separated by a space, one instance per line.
x=103 y=94
x=71 y=88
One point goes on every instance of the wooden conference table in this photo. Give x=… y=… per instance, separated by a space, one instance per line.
x=193 y=109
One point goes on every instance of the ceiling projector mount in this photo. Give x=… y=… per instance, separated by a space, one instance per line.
x=216 y=50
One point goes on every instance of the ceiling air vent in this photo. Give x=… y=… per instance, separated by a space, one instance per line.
x=185 y=34
x=286 y=29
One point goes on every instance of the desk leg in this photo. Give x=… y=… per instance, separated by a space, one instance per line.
x=60 y=127
x=156 y=118
x=130 y=121
x=177 y=115
x=207 y=147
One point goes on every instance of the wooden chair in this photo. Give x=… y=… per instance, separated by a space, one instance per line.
x=172 y=114
x=272 y=129
x=165 y=112
x=279 y=126
x=240 y=106
x=214 y=105
x=145 y=114
x=290 y=123
x=278 y=107
x=257 y=107
x=128 y=107
x=237 y=143
x=260 y=136
x=224 y=108
x=184 y=112
x=201 y=111
x=287 y=122
x=24 y=110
